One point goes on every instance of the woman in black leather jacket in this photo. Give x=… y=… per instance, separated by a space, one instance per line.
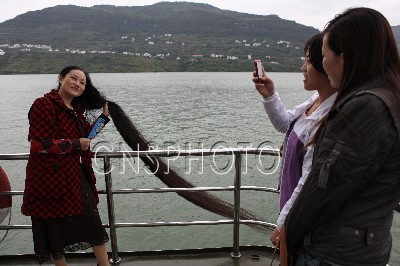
x=344 y=213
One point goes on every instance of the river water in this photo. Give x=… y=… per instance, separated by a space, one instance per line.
x=173 y=111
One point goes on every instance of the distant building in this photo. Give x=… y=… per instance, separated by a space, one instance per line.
x=78 y=52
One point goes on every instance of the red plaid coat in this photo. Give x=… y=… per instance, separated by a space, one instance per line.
x=52 y=185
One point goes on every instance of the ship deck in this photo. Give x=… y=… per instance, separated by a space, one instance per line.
x=250 y=256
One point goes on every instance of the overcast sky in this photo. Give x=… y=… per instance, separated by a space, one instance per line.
x=315 y=13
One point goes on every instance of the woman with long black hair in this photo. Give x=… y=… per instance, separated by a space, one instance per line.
x=60 y=185
x=60 y=193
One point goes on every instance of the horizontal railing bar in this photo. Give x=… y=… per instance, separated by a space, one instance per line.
x=196 y=152
x=270 y=225
x=14 y=156
x=255 y=188
x=8 y=193
x=163 y=190
x=216 y=222
x=157 y=224
x=19 y=226
x=163 y=153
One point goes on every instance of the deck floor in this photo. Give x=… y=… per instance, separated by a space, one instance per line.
x=217 y=257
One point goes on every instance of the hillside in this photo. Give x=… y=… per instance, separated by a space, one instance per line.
x=167 y=36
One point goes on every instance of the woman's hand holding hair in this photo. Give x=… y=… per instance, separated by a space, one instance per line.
x=84 y=143
x=265 y=86
x=106 y=112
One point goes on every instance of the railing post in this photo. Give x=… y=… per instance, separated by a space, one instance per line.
x=236 y=216
x=115 y=259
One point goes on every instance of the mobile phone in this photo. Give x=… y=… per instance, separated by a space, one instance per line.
x=259 y=68
x=100 y=122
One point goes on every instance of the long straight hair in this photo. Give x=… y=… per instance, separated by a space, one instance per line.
x=370 y=52
x=366 y=40
x=92 y=99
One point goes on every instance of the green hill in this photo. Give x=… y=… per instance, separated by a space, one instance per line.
x=167 y=36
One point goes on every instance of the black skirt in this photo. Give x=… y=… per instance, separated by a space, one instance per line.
x=54 y=237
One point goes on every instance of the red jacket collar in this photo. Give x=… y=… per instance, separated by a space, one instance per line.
x=55 y=97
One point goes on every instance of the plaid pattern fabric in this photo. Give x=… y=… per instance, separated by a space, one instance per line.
x=52 y=185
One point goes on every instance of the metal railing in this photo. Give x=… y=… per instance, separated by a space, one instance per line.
x=113 y=225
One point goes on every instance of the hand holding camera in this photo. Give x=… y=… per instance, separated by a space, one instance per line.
x=258 y=68
x=264 y=85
